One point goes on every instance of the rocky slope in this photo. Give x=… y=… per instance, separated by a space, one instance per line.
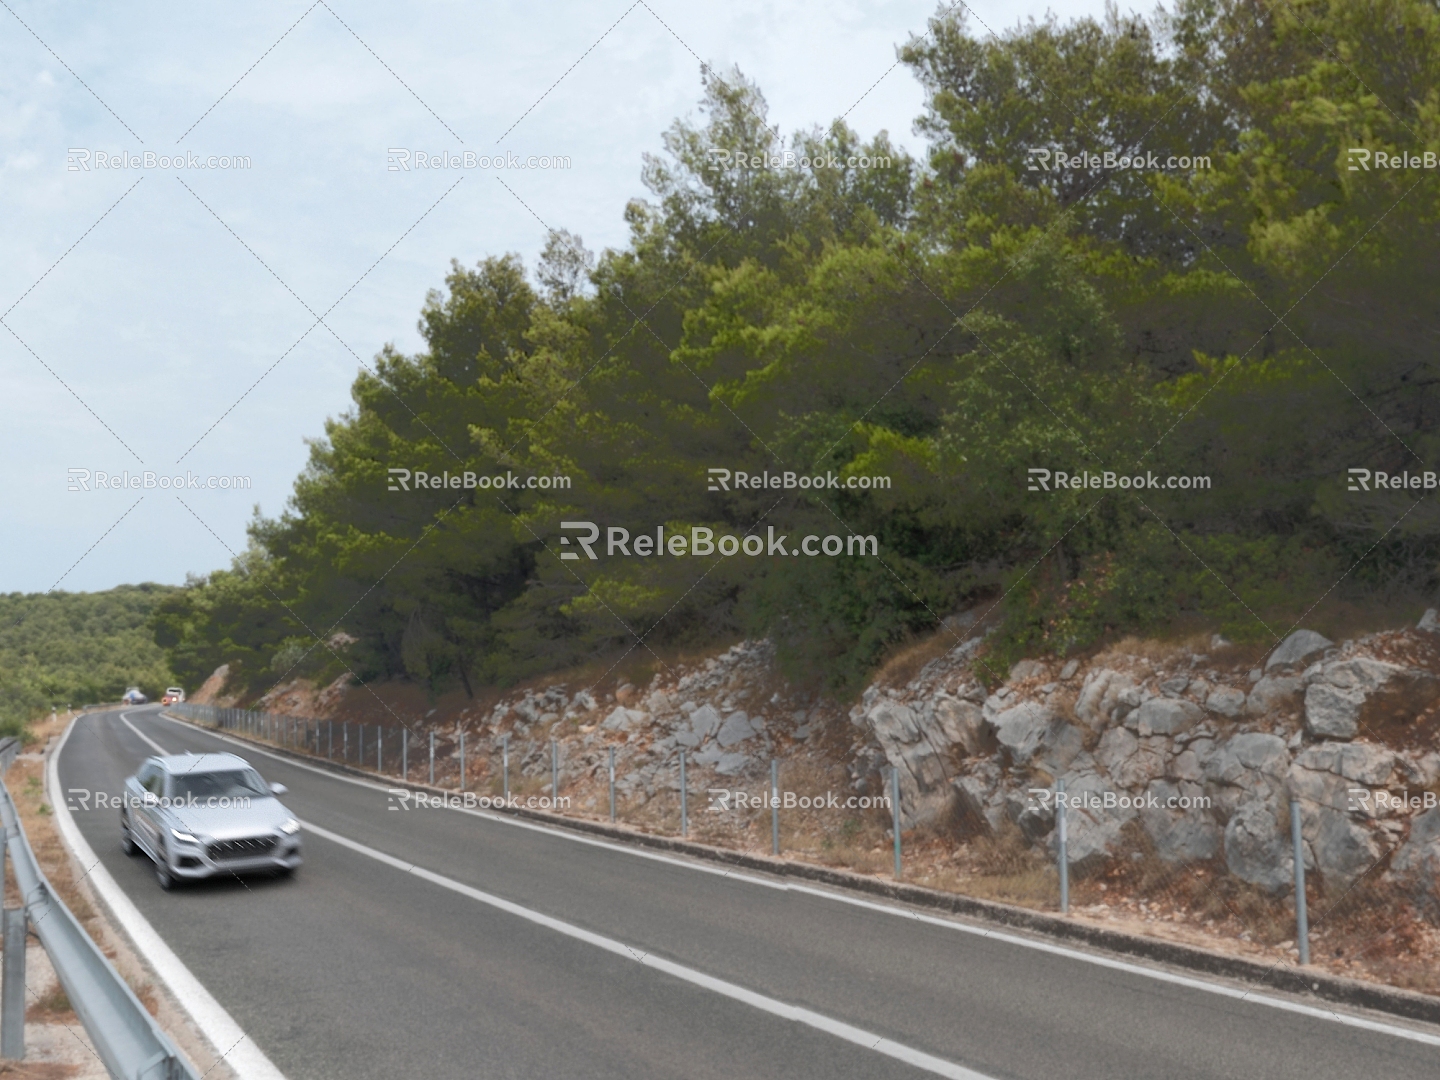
x=1189 y=754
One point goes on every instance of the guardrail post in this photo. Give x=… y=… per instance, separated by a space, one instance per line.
x=554 y=774
x=684 y=807
x=612 y=785
x=462 y=759
x=504 y=764
x=1063 y=846
x=404 y=753
x=432 y=758
x=12 y=992
x=895 y=814
x=774 y=806
x=1302 y=921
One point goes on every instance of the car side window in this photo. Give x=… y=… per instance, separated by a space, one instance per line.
x=151 y=779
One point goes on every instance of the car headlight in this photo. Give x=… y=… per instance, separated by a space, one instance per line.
x=183 y=837
x=290 y=827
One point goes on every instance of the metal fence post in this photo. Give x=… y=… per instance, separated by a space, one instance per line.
x=612 y=785
x=12 y=991
x=1063 y=845
x=462 y=759
x=432 y=759
x=505 y=765
x=774 y=806
x=895 y=814
x=684 y=808
x=1302 y=921
x=405 y=753
x=554 y=774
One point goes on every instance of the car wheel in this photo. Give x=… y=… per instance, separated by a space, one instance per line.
x=164 y=877
x=127 y=842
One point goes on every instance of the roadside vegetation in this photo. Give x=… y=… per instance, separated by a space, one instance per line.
x=950 y=322
x=61 y=649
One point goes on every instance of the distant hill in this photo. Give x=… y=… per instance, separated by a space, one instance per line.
x=73 y=648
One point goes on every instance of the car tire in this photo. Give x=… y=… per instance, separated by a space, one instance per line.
x=127 y=842
x=164 y=877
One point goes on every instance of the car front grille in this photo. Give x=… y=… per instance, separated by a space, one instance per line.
x=249 y=848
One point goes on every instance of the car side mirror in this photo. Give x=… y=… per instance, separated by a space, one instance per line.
x=279 y=789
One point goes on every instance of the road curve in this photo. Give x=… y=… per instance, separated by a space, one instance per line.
x=515 y=952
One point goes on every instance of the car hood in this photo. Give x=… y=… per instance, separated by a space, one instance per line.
x=264 y=814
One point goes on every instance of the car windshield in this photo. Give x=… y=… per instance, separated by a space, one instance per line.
x=205 y=785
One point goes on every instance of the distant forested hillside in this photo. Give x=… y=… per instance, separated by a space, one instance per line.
x=74 y=648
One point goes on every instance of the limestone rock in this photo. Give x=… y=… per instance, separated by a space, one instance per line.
x=1092 y=833
x=1025 y=669
x=1332 y=712
x=1272 y=693
x=963 y=724
x=1244 y=768
x=704 y=721
x=736 y=728
x=1418 y=859
x=1297 y=648
x=1226 y=701
x=1167 y=716
x=1257 y=846
x=623 y=719
x=1180 y=834
x=1020 y=729
x=1105 y=696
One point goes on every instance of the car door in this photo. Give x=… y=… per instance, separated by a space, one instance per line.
x=145 y=812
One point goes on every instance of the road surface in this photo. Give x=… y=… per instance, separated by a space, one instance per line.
x=515 y=952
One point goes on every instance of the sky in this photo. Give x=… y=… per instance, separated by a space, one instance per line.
x=203 y=322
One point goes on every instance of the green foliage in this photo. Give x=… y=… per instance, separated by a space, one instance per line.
x=950 y=324
x=59 y=649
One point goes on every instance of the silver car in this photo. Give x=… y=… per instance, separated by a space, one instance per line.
x=198 y=815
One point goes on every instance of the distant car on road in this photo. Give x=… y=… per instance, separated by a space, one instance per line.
x=173 y=696
x=198 y=815
x=133 y=696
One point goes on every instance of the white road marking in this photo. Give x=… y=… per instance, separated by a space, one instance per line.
x=125 y=719
x=1160 y=975
x=225 y=1036
x=841 y=1030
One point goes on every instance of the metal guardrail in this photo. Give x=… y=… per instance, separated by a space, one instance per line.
x=128 y=1040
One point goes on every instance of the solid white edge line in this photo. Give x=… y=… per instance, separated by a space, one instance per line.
x=837 y=1028
x=1158 y=974
x=227 y=1038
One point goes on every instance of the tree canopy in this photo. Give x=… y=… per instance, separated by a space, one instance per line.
x=1252 y=310
x=59 y=649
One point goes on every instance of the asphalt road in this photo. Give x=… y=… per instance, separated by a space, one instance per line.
x=356 y=968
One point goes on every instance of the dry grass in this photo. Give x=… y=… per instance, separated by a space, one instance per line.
x=905 y=662
x=36 y=1070
x=51 y=1008
x=26 y=785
